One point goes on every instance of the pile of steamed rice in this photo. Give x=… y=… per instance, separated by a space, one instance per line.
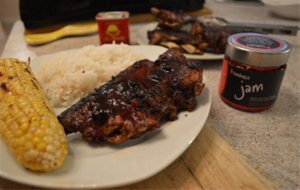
x=67 y=77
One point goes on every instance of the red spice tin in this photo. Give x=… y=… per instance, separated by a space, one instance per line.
x=113 y=27
x=253 y=69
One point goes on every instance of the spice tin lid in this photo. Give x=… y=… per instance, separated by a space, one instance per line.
x=112 y=15
x=257 y=49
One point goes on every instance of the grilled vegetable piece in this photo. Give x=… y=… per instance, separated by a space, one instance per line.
x=28 y=125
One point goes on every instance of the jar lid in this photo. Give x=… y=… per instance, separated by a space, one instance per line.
x=257 y=49
x=112 y=15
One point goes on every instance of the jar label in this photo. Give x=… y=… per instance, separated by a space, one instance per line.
x=247 y=89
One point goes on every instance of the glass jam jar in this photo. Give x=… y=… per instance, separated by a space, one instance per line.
x=252 y=70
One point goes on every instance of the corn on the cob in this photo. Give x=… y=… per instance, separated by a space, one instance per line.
x=28 y=125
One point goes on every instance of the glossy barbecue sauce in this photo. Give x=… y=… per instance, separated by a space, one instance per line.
x=252 y=71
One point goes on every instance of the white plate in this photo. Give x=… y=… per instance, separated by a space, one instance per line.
x=106 y=165
x=140 y=36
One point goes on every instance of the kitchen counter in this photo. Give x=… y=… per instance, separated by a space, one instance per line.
x=269 y=141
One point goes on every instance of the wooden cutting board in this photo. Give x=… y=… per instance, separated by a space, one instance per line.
x=137 y=18
x=51 y=33
x=209 y=163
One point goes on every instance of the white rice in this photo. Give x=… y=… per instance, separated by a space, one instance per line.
x=67 y=77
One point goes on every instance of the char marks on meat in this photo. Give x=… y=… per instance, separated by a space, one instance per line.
x=137 y=100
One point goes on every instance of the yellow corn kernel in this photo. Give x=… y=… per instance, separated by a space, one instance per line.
x=28 y=125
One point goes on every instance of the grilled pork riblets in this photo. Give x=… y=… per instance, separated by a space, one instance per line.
x=137 y=100
x=177 y=39
x=178 y=30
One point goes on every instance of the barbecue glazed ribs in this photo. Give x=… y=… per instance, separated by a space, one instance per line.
x=178 y=30
x=137 y=100
x=177 y=39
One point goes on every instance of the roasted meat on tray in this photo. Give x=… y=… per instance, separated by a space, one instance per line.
x=137 y=100
x=178 y=30
x=177 y=39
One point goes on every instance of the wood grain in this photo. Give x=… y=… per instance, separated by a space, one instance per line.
x=216 y=165
x=209 y=163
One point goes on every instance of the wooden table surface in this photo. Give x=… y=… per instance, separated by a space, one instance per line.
x=235 y=150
